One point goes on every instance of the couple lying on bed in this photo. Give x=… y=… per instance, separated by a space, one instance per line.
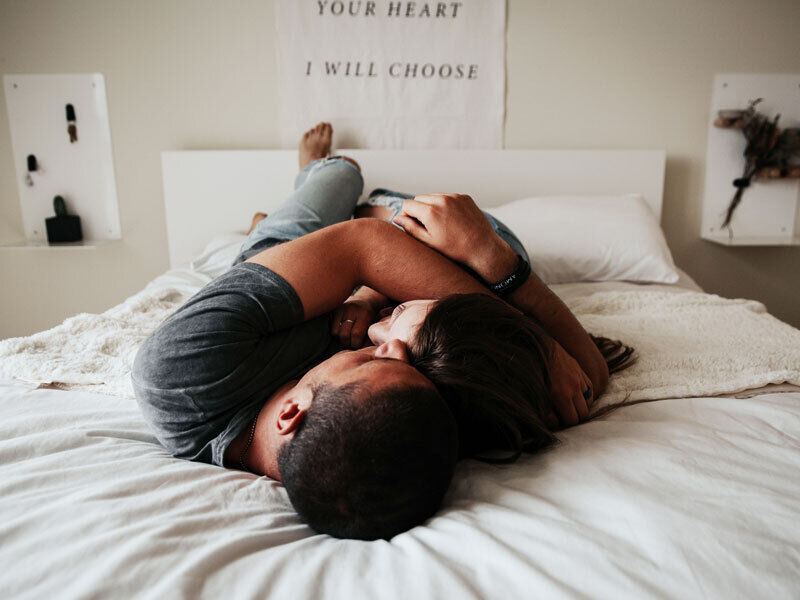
x=250 y=371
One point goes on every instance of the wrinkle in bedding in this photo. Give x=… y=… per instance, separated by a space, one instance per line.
x=680 y=498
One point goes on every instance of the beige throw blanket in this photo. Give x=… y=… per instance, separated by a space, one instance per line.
x=691 y=344
x=89 y=352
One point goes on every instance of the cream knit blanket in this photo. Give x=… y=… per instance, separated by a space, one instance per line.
x=688 y=344
x=89 y=352
x=691 y=344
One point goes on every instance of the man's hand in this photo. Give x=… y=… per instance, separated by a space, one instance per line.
x=455 y=226
x=570 y=386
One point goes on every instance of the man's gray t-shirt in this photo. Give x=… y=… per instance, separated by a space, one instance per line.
x=204 y=374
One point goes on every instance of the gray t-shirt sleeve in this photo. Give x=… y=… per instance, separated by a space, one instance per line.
x=204 y=374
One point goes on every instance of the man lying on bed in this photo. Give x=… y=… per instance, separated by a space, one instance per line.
x=246 y=373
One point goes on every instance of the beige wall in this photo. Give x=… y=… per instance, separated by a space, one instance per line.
x=187 y=74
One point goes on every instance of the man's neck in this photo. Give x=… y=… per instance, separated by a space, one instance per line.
x=261 y=457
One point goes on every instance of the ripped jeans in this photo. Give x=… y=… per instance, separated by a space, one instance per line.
x=326 y=192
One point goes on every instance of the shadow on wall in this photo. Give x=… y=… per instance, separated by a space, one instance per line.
x=681 y=174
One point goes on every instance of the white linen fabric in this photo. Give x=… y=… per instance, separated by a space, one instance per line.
x=683 y=498
x=688 y=497
x=397 y=76
x=590 y=238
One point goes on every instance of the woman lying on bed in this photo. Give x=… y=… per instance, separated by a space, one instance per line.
x=244 y=373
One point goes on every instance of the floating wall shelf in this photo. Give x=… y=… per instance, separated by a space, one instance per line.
x=61 y=141
x=769 y=213
x=35 y=245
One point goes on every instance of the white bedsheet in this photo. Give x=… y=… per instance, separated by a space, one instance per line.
x=678 y=498
x=688 y=497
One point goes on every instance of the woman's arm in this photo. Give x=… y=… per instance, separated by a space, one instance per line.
x=536 y=299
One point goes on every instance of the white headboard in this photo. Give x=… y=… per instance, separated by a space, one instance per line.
x=211 y=192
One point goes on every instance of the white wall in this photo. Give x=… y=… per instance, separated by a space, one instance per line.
x=190 y=74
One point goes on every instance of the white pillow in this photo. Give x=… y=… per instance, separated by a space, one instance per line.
x=218 y=254
x=590 y=238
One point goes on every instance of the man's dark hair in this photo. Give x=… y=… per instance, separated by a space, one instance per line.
x=490 y=364
x=370 y=466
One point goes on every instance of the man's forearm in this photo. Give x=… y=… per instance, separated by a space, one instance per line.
x=401 y=268
x=534 y=298
x=323 y=267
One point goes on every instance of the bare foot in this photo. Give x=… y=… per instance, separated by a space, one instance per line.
x=257 y=218
x=316 y=143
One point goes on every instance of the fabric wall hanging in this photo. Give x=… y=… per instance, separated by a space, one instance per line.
x=393 y=74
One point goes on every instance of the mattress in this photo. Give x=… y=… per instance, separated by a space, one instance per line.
x=681 y=497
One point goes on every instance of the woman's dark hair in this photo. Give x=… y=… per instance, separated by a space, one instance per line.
x=490 y=364
x=370 y=465
x=617 y=355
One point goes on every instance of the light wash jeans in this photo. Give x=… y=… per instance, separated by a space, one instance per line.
x=326 y=192
x=394 y=201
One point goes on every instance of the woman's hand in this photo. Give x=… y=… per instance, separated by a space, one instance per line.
x=350 y=322
x=352 y=319
x=453 y=225
x=570 y=386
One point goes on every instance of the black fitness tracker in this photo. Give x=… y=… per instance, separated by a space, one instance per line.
x=512 y=282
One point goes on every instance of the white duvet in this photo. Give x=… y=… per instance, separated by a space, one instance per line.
x=686 y=497
x=678 y=498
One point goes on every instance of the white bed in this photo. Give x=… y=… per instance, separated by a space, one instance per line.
x=682 y=497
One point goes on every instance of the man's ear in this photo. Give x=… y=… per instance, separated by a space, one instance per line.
x=289 y=417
